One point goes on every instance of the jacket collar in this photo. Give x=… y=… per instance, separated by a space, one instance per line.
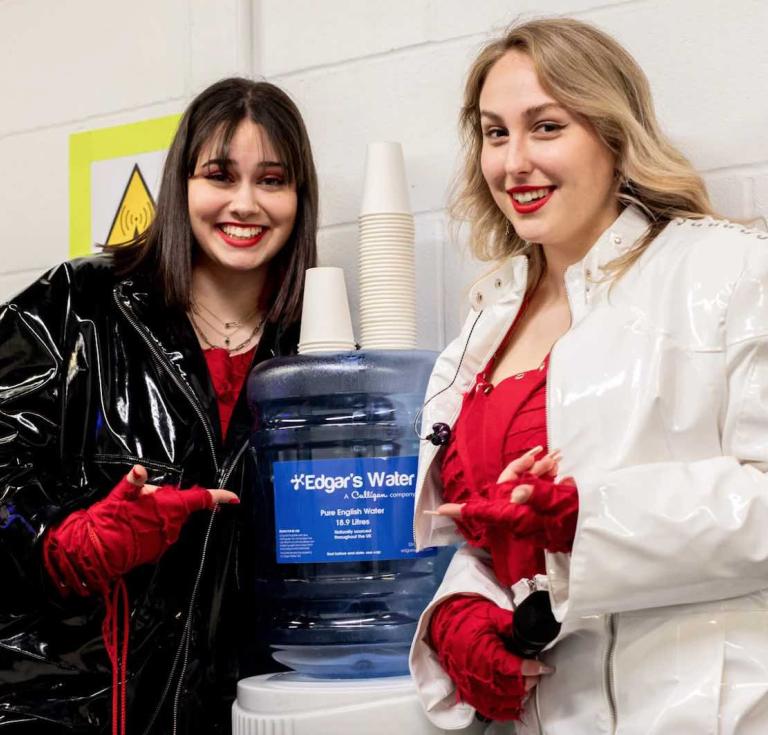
x=507 y=281
x=173 y=338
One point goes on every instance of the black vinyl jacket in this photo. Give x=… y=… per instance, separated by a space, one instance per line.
x=96 y=375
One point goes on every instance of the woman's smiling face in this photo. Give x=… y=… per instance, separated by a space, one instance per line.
x=241 y=210
x=546 y=168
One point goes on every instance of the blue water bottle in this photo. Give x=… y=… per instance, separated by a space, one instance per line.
x=336 y=583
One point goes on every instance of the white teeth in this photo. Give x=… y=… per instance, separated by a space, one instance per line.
x=528 y=196
x=243 y=232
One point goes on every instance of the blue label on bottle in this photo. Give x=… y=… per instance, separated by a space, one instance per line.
x=336 y=510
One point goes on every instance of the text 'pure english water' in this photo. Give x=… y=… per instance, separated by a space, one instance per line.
x=338 y=585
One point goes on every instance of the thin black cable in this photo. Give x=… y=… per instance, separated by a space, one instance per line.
x=442 y=390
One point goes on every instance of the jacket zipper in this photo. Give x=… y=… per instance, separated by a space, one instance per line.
x=609 y=683
x=204 y=422
x=226 y=471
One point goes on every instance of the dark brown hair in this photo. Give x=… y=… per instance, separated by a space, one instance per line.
x=164 y=252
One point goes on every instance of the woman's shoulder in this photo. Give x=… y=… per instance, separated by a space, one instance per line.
x=91 y=277
x=711 y=235
x=720 y=265
x=691 y=248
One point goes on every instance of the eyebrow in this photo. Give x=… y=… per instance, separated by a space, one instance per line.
x=228 y=162
x=529 y=113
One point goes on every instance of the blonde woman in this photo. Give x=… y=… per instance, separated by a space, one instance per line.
x=625 y=332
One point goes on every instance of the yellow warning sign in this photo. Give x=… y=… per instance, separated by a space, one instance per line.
x=114 y=178
x=135 y=211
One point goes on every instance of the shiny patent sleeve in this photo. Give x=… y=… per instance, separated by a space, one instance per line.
x=32 y=494
x=677 y=532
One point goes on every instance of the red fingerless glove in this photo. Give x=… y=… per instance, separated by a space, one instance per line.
x=547 y=519
x=466 y=633
x=558 y=503
x=93 y=547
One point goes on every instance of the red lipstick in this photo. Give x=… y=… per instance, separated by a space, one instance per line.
x=532 y=206
x=241 y=242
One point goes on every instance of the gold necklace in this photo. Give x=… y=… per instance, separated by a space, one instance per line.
x=234 y=324
x=225 y=346
x=226 y=336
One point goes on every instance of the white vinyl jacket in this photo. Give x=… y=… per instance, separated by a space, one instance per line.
x=657 y=397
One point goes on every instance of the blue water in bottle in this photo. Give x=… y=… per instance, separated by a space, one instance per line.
x=335 y=573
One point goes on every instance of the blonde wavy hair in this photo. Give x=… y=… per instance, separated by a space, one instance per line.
x=589 y=73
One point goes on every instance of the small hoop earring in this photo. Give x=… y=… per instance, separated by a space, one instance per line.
x=508 y=229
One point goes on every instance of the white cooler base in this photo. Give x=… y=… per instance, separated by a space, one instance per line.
x=287 y=704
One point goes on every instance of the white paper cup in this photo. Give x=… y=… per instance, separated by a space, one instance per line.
x=385 y=277
x=376 y=227
x=378 y=242
x=379 y=278
x=372 y=288
x=383 y=249
x=398 y=261
x=386 y=252
x=404 y=236
x=385 y=188
x=311 y=347
x=385 y=322
x=393 y=332
x=388 y=220
x=325 y=343
x=387 y=265
x=377 y=239
x=391 y=283
x=385 y=344
x=325 y=317
x=375 y=216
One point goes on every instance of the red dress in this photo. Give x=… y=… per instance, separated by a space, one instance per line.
x=227 y=376
x=496 y=425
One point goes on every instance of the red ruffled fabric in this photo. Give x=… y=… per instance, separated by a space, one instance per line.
x=493 y=429
x=228 y=374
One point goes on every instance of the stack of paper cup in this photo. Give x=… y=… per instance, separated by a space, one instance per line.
x=387 y=280
x=326 y=325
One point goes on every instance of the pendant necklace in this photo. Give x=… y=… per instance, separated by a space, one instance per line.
x=226 y=345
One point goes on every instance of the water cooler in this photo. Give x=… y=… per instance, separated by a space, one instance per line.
x=337 y=579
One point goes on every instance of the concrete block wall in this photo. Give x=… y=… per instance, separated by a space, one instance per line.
x=360 y=71
x=73 y=65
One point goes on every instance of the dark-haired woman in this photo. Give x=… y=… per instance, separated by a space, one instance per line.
x=124 y=429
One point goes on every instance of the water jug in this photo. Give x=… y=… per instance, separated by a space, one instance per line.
x=335 y=578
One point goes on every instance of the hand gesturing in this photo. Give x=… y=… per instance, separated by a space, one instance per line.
x=133 y=525
x=525 y=504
